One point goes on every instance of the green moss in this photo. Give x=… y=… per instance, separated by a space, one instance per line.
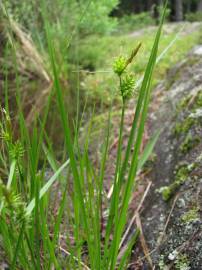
x=184 y=126
x=189 y=143
x=183 y=172
x=190 y=102
x=191 y=215
x=183 y=103
x=161 y=263
x=181 y=176
x=167 y=191
x=199 y=99
x=182 y=262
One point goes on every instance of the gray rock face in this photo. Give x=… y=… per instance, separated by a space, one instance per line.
x=172 y=215
x=197 y=50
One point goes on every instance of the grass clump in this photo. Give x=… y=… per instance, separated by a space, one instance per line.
x=27 y=194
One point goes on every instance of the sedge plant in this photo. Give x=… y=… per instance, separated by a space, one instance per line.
x=33 y=236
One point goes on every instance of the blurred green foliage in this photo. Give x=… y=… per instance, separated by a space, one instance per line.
x=134 y=22
x=65 y=15
x=87 y=63
x=194 y=17
x=99 y=85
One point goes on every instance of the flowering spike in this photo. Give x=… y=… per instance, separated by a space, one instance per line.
x=127 y=86
x=119 y=65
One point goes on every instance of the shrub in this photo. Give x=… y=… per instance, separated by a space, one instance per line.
x=194 y=17
x=132 y=22
x=65 y=15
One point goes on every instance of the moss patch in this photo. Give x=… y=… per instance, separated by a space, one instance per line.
x=182 y=262
x=191 y=215
x=184 y=126
x=189 y=143
x=181 y=176
x=190 y=102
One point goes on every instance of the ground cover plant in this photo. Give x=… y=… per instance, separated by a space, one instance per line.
x=65 y=220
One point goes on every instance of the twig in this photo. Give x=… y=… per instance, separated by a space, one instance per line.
x=76 y=259
x=164 y=230
x=124 y=248
x=181 y=248
x=168 y=219
x=92 y=72
x=143 y=242
x=109 y=194
x=193 y=97
x=134 y=217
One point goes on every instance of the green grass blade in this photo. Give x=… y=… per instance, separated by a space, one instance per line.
x=148 y=149
x=46 y=187
x=143 y=108
x=126 y=255
x=10 y=179
x=17 y=249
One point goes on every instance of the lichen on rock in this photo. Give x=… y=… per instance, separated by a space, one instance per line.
x=177 y=174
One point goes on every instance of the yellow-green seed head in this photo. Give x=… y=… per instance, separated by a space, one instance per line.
x=17 y=150
x=127 y=86
x=119 y=65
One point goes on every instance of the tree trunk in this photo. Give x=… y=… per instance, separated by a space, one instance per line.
x=138 y=6
x=200 y=5
x=188 y=7
x=149 y=4
x=178 y=10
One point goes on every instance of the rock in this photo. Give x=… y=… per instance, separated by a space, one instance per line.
x=176 y=239
x=197 y=51
x=4 y=266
